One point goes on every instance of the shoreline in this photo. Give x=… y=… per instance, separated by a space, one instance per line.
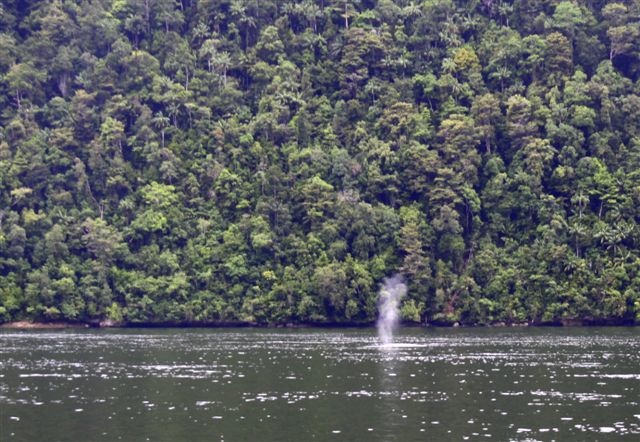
x=29 y=325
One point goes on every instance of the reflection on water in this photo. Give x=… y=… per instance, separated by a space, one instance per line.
x=473 y=384
x=389 y=389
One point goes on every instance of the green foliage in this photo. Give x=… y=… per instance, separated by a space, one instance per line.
x=272 y=163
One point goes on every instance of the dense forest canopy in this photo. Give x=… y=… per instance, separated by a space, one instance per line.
x=273 y=161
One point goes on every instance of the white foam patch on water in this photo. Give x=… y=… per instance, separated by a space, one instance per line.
x=49 y=375
x=618 y=376
x=204 y=403
x=360 y=393
x=393 y=345
x=581 y=397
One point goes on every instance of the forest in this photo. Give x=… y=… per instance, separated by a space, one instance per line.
x=271 y=162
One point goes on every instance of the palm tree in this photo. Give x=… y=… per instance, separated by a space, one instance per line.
x=373 y=88
x=311 y=13
x=581 y=200
x=160 y=121
x=501 y=74
x=346 y=10
x=412 y=10
x=579 y=231
x=503 y=11
x=289 y=9
x=222 y=60
x=200 y=31
x=449 y=66
x=239 y=9
x=611 y=237
x=208 y=51
x=403 y=62
x=174 y=109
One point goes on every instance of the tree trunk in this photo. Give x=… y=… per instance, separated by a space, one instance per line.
x=346 y=16
x=147 y=13
x=62 y=84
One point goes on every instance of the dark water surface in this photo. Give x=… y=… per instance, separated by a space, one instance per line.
x=330 y=384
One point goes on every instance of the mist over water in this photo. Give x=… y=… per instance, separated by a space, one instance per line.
x=391 y=293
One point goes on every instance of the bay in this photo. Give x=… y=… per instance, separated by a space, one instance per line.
x=320 y=384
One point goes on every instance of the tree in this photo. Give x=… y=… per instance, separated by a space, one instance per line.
x=568 y=18
x=346 y=10
x=24 y=82
x=317 y=199
x=485 y=111
x=360 y=54
x=161 y=122
x=521 y=126
x=559 y=55
x=102 y=241
x=160 y=211
x=415 y=264
x=458 y=138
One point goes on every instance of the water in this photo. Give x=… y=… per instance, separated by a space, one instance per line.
x=333 y=385
x=391 y=293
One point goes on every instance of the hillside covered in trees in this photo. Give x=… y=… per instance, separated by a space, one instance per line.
x=271 y=162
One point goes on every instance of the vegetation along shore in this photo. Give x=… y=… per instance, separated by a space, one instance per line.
x=271 y=162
